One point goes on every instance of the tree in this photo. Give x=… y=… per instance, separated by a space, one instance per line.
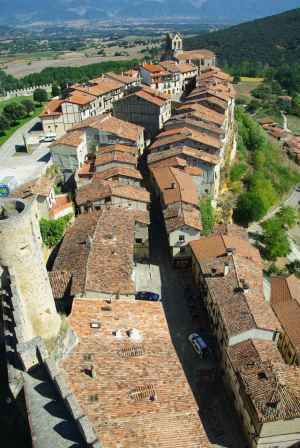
x=28 y=105
x=250 y=208
x=4 y=123
x=236 y=79
x=275 y=239
x=288 y=216
x=40 y=96
x=296 y=105
x=55 y=90
x=14 y=112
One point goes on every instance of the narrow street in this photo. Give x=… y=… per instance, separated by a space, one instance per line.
x=215 y=409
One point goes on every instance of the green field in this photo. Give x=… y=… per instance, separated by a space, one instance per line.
x=294 y=123
x=245 y=87
x=15 y=100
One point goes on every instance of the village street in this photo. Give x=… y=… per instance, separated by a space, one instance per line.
x=216 y=412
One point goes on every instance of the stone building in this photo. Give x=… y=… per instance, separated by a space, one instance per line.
x=145 y=107
x=100 y=193
x=21 y=255
x=162 y=80
x=285 y=302
x=70 y=151
x=106 y=242
x=179 y=202
x=174 y=44
x=106 y=130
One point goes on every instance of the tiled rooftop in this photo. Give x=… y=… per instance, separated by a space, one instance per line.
x=270 y=385
x=99 y=189
x=140 y=396
x=98 y=251
x=39 y=187
x=119 y=171
x=73 y=138
x=175 y=186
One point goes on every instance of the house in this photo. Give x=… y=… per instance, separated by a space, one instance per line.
x=228 y=271
x=69 y=151
x=199 y=112
x=145 y=107
x=162 y=80
x=285 y=302
x=105 y=89
x=123 y=175
x=106 y=241
x=186 y=137
x=83 y=101
x=101 y=193
x=179 y=201
x=265 y=393
x=105 y=130
x=114 y=159
x=207 y=180
x=187 y=73
x=138 y=394
x=130 y=79
x=203 y=59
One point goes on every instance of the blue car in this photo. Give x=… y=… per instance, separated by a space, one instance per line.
x=147 y=295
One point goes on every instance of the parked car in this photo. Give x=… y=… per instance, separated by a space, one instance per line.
x=198 y=343
x=48 y=138
x=147 y=295
x=298 y=188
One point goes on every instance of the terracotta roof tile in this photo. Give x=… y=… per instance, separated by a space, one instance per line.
x=117 y=147
x=169 y=137
x=124 y=367
x=115 y=156
x=53 y=107
x=100 y=189
x=181 y=152
x=203 y=112
x=175 y=186
x=79 y=98
x=72 y=138
x=98 y=86
x=60 y=282
x=272 y=387
x=100 y=242
x=195 y=54
x=119 y=171
x=39 y=187
x=113 y=125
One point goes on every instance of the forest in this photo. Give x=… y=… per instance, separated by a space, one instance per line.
x=251 y=48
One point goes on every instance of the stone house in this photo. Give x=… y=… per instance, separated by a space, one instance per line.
x=106 y=130
x=187 y=73
x=162 y=80
x=264 y=390
x=70 y=151
x=179 y=202
x=100 y=193
x=145 y=107
x=207 y=179
x=203 y=59
x=106 y=241
x=114 y=159
x=123 y=175
x=285 y=302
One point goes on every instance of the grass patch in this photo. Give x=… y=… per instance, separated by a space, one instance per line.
x=245 y=87
x=294 y=123
x=16 y=100
x=11 y=131
x=248 y=79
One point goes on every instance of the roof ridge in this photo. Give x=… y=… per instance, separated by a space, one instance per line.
x=90 y=250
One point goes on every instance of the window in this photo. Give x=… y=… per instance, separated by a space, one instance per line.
x=181 y=238
x=138 y=240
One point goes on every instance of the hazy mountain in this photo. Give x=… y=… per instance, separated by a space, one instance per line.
x=60 y=10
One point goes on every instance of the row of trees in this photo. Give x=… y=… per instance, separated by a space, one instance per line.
x=64 y=75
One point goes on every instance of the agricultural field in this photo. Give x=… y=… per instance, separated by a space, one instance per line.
x=245 y=87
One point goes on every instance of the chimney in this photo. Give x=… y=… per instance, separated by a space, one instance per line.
x=226 y=269
x=173 y=185
x=230 y=251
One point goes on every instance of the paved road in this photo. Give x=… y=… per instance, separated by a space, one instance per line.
x=9 y=147
x=215 y=409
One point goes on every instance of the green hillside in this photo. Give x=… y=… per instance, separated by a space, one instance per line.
x=270 y=41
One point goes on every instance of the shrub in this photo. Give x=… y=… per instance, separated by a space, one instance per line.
x=275 y=239
x=238 y=171
x=207 y=216
x=53 y=231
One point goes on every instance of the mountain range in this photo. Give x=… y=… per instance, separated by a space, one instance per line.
x=23 y=11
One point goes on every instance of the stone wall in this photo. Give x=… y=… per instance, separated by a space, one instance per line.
x=27 y=91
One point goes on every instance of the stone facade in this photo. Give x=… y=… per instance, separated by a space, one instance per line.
x=20 y=241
